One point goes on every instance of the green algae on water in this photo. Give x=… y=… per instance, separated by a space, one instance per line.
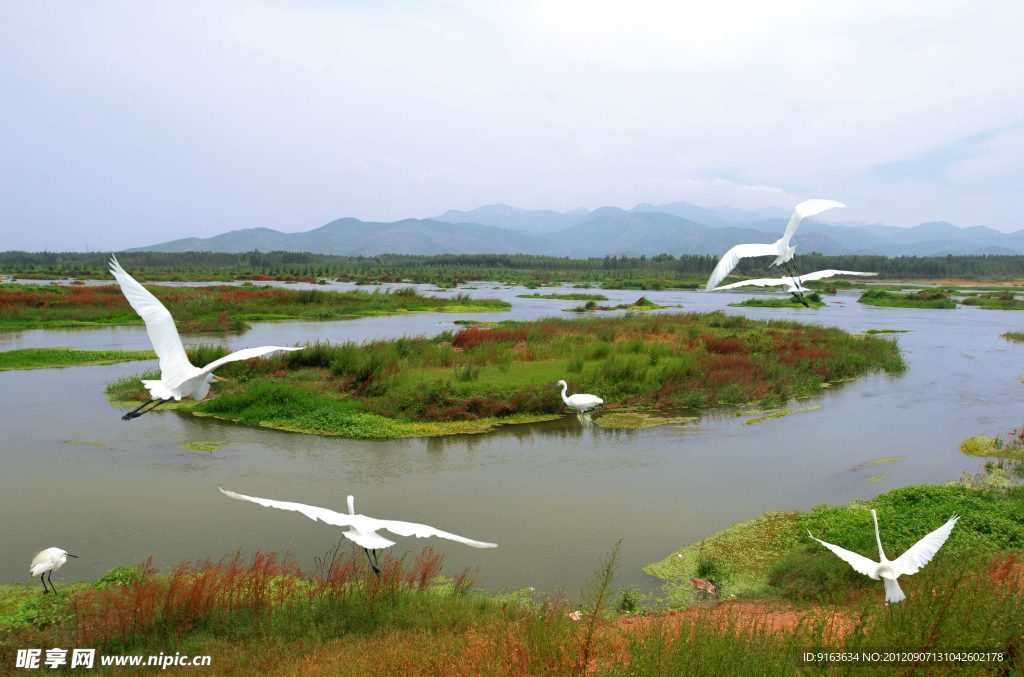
x=635 y=421
x=203 y=446
x=779 y=414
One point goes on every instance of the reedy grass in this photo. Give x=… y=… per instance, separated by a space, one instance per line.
x=1005 y=300
x=409 y=386
x=813 y=300
x=573 y=296
x=1016 y=336
x=926 y=298
x=219 y=308
x=46 y=358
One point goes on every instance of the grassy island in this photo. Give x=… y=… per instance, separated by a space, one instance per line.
x=574 y=296
x=215 y=308
x=478 y=377
x=813 y=300
x=45 y=358
x=925 y=298
x=995 y=301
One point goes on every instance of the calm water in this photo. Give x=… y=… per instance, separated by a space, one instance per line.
x=554 y=496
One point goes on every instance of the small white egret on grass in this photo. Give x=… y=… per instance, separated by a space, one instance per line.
x=910 y=562
x=362 y=529
x=48 y=560
x=178 y=378
x=789 y=284
x=779 y=249
x=581 y=402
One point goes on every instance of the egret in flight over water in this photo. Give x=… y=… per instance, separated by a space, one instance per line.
x=362 y=529
x=910 y=562
x=581 y=402
x=779 y=249
x=48 y=560
x=789 y=284
x=178 y=378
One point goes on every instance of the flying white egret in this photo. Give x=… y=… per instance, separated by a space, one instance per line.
x=581 y=402
x=362 y=529
x=48 y=560
x=910 y=562
x=780 y=248
x=178 y=378
x=789 y=284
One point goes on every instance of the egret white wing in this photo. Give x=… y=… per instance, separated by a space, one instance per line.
x=805 y=209
x=860 y=563
x=733 y=256
x=824 y=274
x=159 y=323
x=759 y=282
x=238 y=355
x=311 y=511
x=922 y=552
x=423 y=531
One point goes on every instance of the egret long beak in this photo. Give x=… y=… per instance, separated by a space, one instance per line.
x=70 y=555
x=225 y=380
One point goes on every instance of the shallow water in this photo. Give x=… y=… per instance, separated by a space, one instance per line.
x=555 y=496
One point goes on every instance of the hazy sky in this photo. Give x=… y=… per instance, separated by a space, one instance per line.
x=130 y=123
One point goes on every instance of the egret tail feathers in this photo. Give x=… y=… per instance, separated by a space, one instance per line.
x=158 y=390
x=893 y=592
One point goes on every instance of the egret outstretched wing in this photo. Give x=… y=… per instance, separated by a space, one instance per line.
x=860 y=564
x=733 y=256
x=423 y=531
x=338 y=519
x=922 y=552
x=802 y=211
x=159 y=324
x=825 y=274
x=759 y=282
x=238 y=355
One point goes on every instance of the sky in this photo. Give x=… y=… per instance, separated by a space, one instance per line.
x=125 y=124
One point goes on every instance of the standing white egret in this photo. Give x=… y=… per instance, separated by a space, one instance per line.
x=362 y=529
x=178 y=378
x=910 y=562
x=789 y=284
x=780 y=248
x=48 y=560
x=581 y=402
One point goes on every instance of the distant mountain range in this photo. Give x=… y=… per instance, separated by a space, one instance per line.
x=676 y=228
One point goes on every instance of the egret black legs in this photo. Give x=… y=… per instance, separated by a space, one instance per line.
x=796 y=281
x=135 y=413
x=52 y=589
x=374 y=564
x=43 y=579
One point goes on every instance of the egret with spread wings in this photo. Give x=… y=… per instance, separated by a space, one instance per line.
x=779 y=249
x=178 y=378
x=362 y=529
x=910 y=562
x=789 y=284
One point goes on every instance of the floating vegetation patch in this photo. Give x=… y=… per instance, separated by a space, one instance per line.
x=994 y=447
x=203 y=446
x=779 y=414
x=888 y=459
x=878 y=478
x=813 y=300
x=887 y=331
x=636 y=421
x=1014 y=336
x=48 y=358
x=574 y=296
x=94 y=444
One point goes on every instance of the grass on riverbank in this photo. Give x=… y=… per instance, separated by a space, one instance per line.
x=813 y=300
x=215 y=308
x=479 y=377
x=925 y=298
x=45 y=358
x=263 y=615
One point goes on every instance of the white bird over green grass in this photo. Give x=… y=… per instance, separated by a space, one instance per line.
x=910 y=562
x=48 y=560
x=362 y=529
x=178 y=378
x=581 y=402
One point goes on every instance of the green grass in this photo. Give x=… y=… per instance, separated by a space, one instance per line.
x=216 y=308
x=1015 y=336
x=479 y=377
x=45 y=358
x=995 y=301
x=642 y=303
x=887 y=331
x=565 y=297
x=813 y=300
x=922 y=299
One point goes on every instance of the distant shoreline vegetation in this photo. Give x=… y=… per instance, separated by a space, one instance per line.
x=479 y=377
x=215 y=308
x=48 y=358
x=664 y=271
